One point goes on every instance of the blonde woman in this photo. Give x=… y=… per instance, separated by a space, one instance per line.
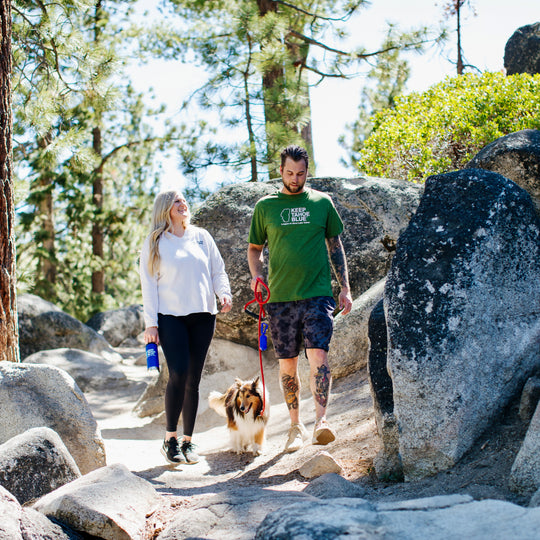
x=181 y=272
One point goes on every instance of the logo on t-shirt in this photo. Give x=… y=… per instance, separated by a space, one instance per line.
x=294 y=216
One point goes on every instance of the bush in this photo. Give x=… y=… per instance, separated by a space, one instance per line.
x=443 y=128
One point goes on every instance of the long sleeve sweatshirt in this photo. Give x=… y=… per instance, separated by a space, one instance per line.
x=191 y=274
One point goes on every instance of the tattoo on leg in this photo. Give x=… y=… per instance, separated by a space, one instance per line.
x=322 y=385
x=290 y=388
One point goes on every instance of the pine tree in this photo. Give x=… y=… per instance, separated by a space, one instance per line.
x=9 y=344
x=86 y=150
x=259 y=56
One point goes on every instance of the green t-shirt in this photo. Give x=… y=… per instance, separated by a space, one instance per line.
x=296 y=227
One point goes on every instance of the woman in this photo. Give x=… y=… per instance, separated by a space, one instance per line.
x=181 y=273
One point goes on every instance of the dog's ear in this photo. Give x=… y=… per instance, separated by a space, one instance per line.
x=255 y=382
x=238 y=382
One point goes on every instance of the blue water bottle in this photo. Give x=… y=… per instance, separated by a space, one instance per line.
x=263 y=342
x=152 y=357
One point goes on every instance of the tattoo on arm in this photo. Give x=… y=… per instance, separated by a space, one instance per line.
x=290 y=389
x=322 y=385
x=338 y=260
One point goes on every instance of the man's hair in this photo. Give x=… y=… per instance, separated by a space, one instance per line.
x=296 y=153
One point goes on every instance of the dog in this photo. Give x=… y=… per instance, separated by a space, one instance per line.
x=242 y=405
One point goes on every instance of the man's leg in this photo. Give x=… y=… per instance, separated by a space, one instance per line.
x=320 y=384
x=290 y=385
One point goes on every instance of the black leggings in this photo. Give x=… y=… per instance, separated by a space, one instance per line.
x=185 y=342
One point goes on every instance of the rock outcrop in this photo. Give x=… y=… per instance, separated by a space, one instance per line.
x=117 y=325
x=437 y=518
x=525 y=473
x=461 y=302
x=90 y=371
x=349 y=348
x=522 y=50
x=517 y=157
x=21 y=523
x=109 y=503
x=44 y=326
x=35 y=463
x=374 y=212
x=35 y=395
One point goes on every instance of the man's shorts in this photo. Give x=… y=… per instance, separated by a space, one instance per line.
x=312 y=319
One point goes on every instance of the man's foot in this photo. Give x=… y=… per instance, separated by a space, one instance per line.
x=295 y=438
x=323 y=433
x=188 y=450
x=172 y=453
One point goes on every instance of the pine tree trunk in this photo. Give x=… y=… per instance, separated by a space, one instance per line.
x=47 y=264
x=274 y=86
x=9 y=338
x=98 y=276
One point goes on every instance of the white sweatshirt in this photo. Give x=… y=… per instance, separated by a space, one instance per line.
x=191 y=273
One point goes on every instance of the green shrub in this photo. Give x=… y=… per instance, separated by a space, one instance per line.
x=440 y=130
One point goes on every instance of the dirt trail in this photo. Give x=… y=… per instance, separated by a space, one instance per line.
x=135 y=442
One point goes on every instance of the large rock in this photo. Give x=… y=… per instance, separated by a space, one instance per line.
x=525 y=473
x=350 y=344
x=436 y=518
x=387 y=462
x=90 y=371
x=522 y=50
x=35 y=463
x=44 y=326
x=516 y=156
x=461 y=303
x=110 y=503
x=228 y=515
x=35 y=395
x=119 y=324
x=373 y=210
x=18 y=523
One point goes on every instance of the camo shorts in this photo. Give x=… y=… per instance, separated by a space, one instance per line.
x=312 y=319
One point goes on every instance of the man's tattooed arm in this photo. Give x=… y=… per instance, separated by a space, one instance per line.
x=339 y=262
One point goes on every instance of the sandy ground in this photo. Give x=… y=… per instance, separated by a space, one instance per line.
x=135 y=442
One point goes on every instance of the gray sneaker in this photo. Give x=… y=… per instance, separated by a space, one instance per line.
x=295 y=438
x=171 y=452
x=188 y=449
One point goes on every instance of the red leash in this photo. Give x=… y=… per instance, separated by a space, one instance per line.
x=262 y=314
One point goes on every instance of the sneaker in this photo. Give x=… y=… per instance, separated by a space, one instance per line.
x=171 y=452
x=295 y=438
x=188 y=450
x=323 y=433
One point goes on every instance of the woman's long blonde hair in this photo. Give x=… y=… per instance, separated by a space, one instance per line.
x=161 y=222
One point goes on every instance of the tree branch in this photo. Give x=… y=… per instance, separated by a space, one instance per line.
x=344 y=18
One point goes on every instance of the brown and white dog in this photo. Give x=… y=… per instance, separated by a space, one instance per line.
x=242 y=404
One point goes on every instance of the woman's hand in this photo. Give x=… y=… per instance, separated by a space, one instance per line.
x=226 y=303
x=151 y=335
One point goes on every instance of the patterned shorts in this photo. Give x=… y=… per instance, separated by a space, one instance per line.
x=311 y=319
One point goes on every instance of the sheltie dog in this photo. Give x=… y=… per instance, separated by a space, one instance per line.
x=241 y=405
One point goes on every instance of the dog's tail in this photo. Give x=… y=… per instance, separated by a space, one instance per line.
x=216 y=401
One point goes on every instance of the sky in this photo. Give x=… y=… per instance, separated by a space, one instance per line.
x=334 y=103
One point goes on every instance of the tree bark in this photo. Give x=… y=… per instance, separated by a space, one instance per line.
x=9 y=333
x=98 y=275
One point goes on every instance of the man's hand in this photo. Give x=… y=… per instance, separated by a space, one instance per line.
x=345 y=301
x=254 y=284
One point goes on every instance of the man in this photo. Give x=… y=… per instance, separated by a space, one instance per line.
x=301 y=227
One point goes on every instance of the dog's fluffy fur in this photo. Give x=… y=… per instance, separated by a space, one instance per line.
x=242 y=404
